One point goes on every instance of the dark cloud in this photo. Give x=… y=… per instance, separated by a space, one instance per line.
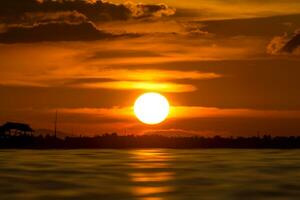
x=78 y=81
x=68 y=20
x=12 y=11
x=258 y=26
x=63 y=16
x=107 y=54
x=284 y=44
x=292 y=44
x=85 y=31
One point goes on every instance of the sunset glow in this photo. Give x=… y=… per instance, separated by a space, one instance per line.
x=226 y=66
x=149 y=99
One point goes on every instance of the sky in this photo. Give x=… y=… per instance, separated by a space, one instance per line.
x=228 y=67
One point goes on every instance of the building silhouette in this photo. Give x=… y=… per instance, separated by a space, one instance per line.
x=15 y=129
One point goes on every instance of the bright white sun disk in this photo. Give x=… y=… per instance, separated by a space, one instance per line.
x=151 y=108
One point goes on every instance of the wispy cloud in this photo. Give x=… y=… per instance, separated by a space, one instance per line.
x=54 y=32
x=206 y=112
x=144 y=86
x=153 y=80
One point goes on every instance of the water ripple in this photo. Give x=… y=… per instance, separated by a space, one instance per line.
x=149 y=174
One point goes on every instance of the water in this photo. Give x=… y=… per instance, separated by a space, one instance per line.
x=154 y=174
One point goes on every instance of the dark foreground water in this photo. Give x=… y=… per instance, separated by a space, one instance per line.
x=158 y=174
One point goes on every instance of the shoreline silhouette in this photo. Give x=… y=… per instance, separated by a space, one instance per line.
x=20 y=136
x=114 y=141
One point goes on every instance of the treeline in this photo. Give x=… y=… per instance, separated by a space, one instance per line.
x=114 y=141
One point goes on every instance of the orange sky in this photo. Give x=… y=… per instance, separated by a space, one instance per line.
x=227 y=67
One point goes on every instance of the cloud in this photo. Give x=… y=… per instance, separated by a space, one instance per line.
x=68 y=20
x=285 y=44
x=141 y=11
x=292 y=44
x=61 y=31
x=195 y=29
x=176 y=81
x=122 y=53
x=276 y=44
x=146 y=75
x=253 y=27
x=96 y=11
x=231 y=9
x=141 y=85
x=142 y=80
x=51 y=17
x=150 y=80
x=213 y=112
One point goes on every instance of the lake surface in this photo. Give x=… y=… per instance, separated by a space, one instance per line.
x=152 y=174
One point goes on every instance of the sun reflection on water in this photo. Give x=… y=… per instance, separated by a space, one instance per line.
x=152 y=177
x=151 y=174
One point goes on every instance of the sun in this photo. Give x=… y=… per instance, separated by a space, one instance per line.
x=151 y=108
